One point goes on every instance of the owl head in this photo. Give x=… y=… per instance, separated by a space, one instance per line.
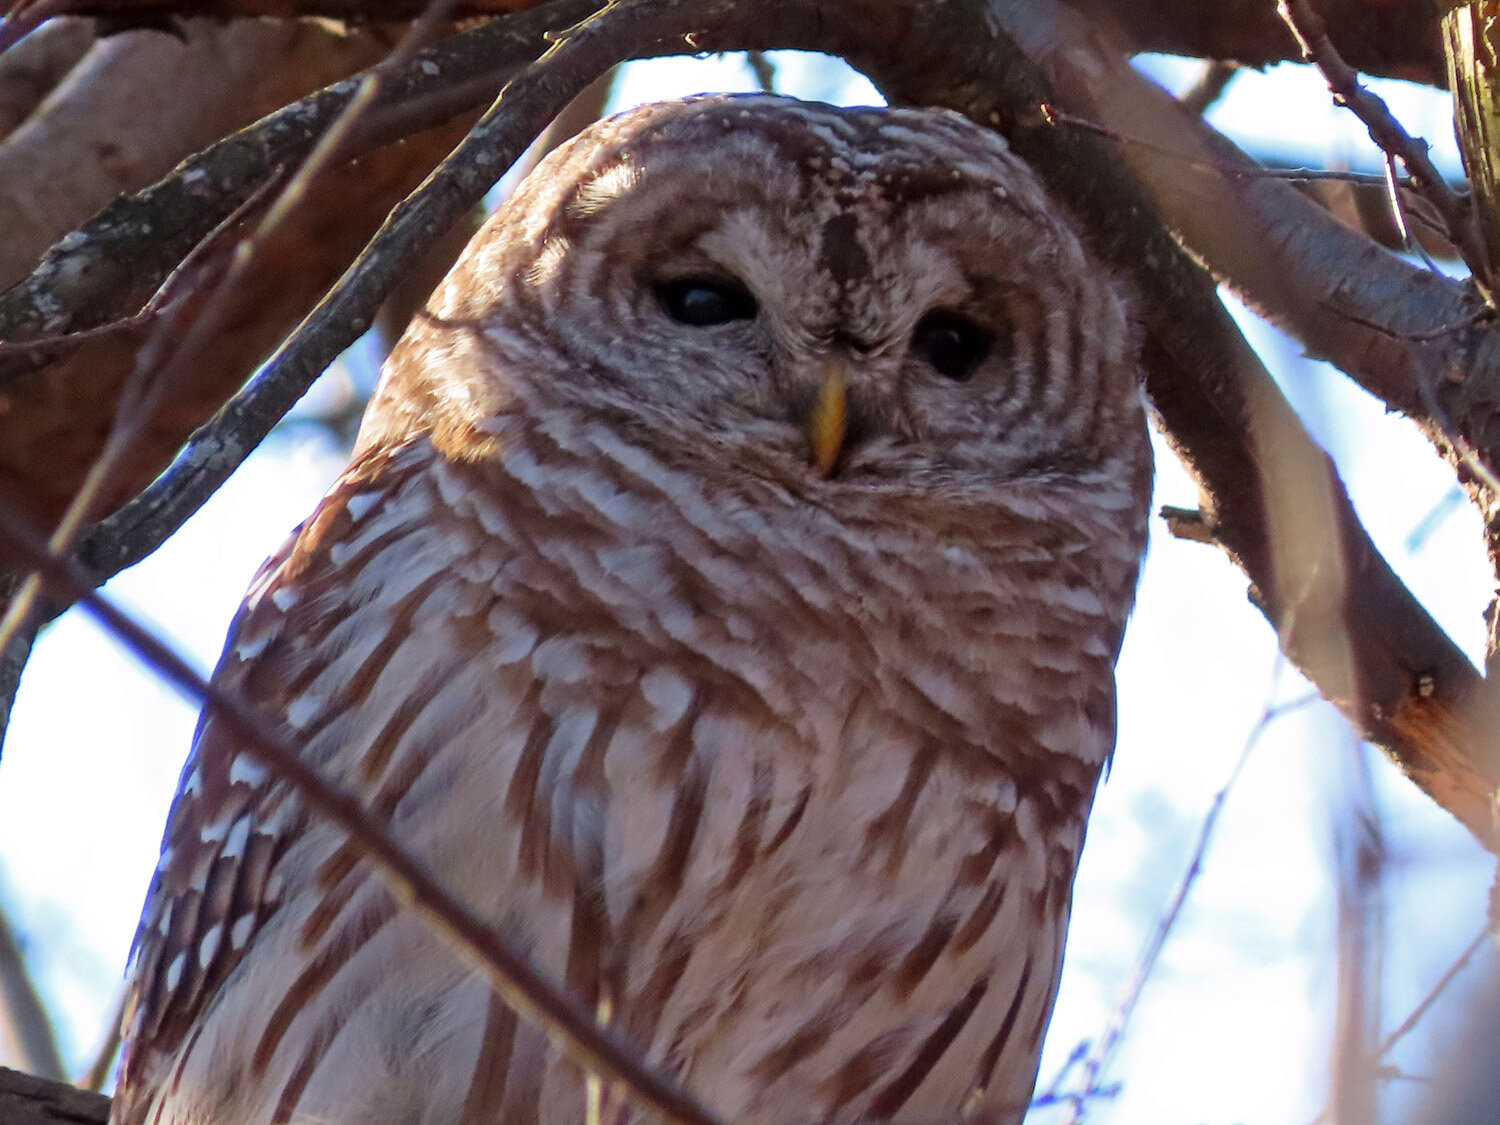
x=838 y=298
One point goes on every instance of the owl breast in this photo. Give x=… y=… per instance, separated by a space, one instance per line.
x=764 y=781
x=723 y=600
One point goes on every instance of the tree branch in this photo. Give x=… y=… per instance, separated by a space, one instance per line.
x=1388 y=134
x=80 y=283
x=1393 y=672
x=1273 y=500
x=531 y=994
x=32 y=71
x=26 y=1030
x=1392 y=38
x=140 y=102
x=25 y=1100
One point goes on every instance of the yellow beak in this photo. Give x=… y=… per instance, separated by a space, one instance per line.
x=825 y=425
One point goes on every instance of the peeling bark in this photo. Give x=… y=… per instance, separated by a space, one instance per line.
x=138 y=103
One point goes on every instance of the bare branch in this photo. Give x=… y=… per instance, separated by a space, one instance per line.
x=1393 y=38
x=25 y=1028
x=1275 y=503
x=31 y=71
x=1343 y=82
x=25 y=1100
x=530 y=993
x=103 y=1066
x=1210 y=86
x=1095 y=1061
x=1342 y=614
x=81 y=283
x=140 y=102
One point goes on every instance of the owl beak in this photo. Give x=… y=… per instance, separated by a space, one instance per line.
x=826 y=422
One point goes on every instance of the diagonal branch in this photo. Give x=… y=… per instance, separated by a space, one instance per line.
x=530 y=993
x=1343 y=82
x=27 y=1100
x=74 y=288
x=25 y=1027
x=1391 y=38
x=1275 y=503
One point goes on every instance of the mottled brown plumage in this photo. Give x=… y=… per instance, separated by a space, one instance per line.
x=724 y=599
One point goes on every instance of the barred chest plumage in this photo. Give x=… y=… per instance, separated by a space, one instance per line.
x=719 y=760
x=723 y=600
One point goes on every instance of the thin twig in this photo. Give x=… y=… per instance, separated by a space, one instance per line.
x=763 y=70
x=1417 y=1014
x=62 y=342
x=529 y=992
x=156 y=227
x=1398 y=215
x=1099 y=1058
x=1359 y=860
x=24 y=1022
x=1392 y=138
x=13 y=657
x=1054 y=115
x=109 y=1047
x=1450 y=974
x=523 y=109
x=1210 y=85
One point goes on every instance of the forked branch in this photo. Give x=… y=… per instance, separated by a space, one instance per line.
x=1275 y=503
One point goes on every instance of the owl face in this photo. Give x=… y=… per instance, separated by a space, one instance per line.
x=853 y=295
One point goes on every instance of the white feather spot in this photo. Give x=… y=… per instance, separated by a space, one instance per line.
x=450 y=488
x=193 y=786
x=239 y=836
x=358 y=506
x=643 y=568
x=240 y=933
x=340 y=553
x=174 y=971
x=214 y=831
x=1079 y=598
x=303 y=710
x=1069 y=733
x=514 y=639
x=249 y=650
x=521 y=465
x=245 y=770
x=562 y=659
x=210 y=945
x=283 y=598
x=492 y=519
x=1005 y=796
x=669 y=695
x=165 y=859
x=164 y=920
x=612 y=184
x=275 y=885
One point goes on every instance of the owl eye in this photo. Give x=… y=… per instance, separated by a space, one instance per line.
x=704 y=302
x=952 y=343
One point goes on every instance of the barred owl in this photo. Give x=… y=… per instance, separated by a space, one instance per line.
x=723 y=599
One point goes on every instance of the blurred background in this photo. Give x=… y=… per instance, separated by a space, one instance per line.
x=1311 y=856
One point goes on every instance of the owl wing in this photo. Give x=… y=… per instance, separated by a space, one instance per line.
x=424 y=648
x=232 y=819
